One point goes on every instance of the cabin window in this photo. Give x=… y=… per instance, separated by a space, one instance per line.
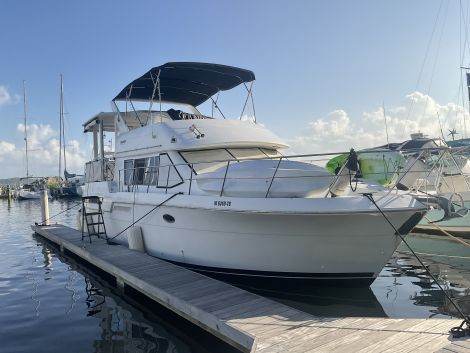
x=139 y=171
x=151 y=170
x=246 y=153
x=157 y=170
x=271 y=153
x=128 y=171
x=209 y=160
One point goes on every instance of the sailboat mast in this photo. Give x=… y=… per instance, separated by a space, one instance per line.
x=25 y=129
x=468 y=89
x=62 y=132
x=386 y=125
x=60 y=128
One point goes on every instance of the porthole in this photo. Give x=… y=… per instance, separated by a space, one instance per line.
x=169 y=218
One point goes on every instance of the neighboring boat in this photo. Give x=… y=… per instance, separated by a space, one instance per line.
x=217 y=196
x=27 y=192
x=436 y=174
x=70 y=186
x=381 y=164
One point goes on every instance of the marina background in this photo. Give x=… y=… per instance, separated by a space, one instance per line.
x=338 y=61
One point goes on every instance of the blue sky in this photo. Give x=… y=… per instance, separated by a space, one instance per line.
x=314 y=60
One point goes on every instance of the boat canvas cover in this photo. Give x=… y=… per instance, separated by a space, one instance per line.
x=185 y=82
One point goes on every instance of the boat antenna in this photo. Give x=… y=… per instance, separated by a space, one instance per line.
x=153 y=96
x=128 y=98
x=60 y=128
x=386 y=126
x=25 y=129
x=159 y=94
x=252 y=102
x=63 y=122
x=468 y=89
x=248 y=95
x=214 y=104
x=440 y=127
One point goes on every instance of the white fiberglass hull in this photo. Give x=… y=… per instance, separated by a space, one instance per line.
x=343 y=247
x=28 y=195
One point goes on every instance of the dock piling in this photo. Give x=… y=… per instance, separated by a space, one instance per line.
x=9 y=195
x=44 y=208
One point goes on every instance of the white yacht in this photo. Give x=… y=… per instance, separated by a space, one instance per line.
x=28 y=194
x=222 y=197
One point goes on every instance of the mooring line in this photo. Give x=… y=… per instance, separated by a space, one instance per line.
x=437 y=255
x=447 y=233
x=458 y=331
x=145 y=215
x=67 y=209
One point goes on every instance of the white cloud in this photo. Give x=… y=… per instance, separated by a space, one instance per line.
x=6 y=97
x=337 y=131
x=43 y=156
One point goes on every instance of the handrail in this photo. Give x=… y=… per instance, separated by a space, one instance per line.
x=191 y=179
x=287 y=157
x=225 y=178
x=272 y=179
x=154 y=171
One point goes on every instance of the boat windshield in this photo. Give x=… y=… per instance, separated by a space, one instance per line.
x=205 y=161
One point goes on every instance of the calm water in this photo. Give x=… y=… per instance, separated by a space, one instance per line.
x=49 y=303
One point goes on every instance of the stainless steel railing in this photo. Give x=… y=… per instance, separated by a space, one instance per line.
x=142 y=179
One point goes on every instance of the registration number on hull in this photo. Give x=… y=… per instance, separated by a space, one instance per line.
x=223 y=203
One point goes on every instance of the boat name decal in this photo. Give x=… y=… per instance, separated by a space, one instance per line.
x=188 y=116
x=223 y=203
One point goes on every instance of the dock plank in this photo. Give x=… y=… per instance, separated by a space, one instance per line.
x=412 y=344
x=461 y=345
x=247 y=321
x=304 y=335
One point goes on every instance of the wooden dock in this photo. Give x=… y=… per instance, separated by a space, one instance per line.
x=249 y=322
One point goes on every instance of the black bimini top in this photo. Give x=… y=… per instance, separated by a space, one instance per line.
x=185 y=82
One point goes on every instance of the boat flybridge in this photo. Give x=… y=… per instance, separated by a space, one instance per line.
x=221 y=196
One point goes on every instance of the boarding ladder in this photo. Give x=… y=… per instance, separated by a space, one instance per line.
x=94 y=219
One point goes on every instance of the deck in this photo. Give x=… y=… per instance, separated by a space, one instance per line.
x=250 y=322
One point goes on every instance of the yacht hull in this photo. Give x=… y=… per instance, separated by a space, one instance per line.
x=28 y=195
x=271 y=249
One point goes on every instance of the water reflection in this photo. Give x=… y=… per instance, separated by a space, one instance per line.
x=403 y=289
x=456 y=281
x=120 y=331
x=94 y=298
x=51 y=304
x=332 y=302
x=122 y=327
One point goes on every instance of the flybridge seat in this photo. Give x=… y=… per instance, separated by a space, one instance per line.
x=180 y=115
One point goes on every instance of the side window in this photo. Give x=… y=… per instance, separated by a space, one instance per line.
x=207 y=160
x=139 y=171
x=151 y=170
x=167 y=174
x=247 y=153
x=271 y=153
x=128 y=171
